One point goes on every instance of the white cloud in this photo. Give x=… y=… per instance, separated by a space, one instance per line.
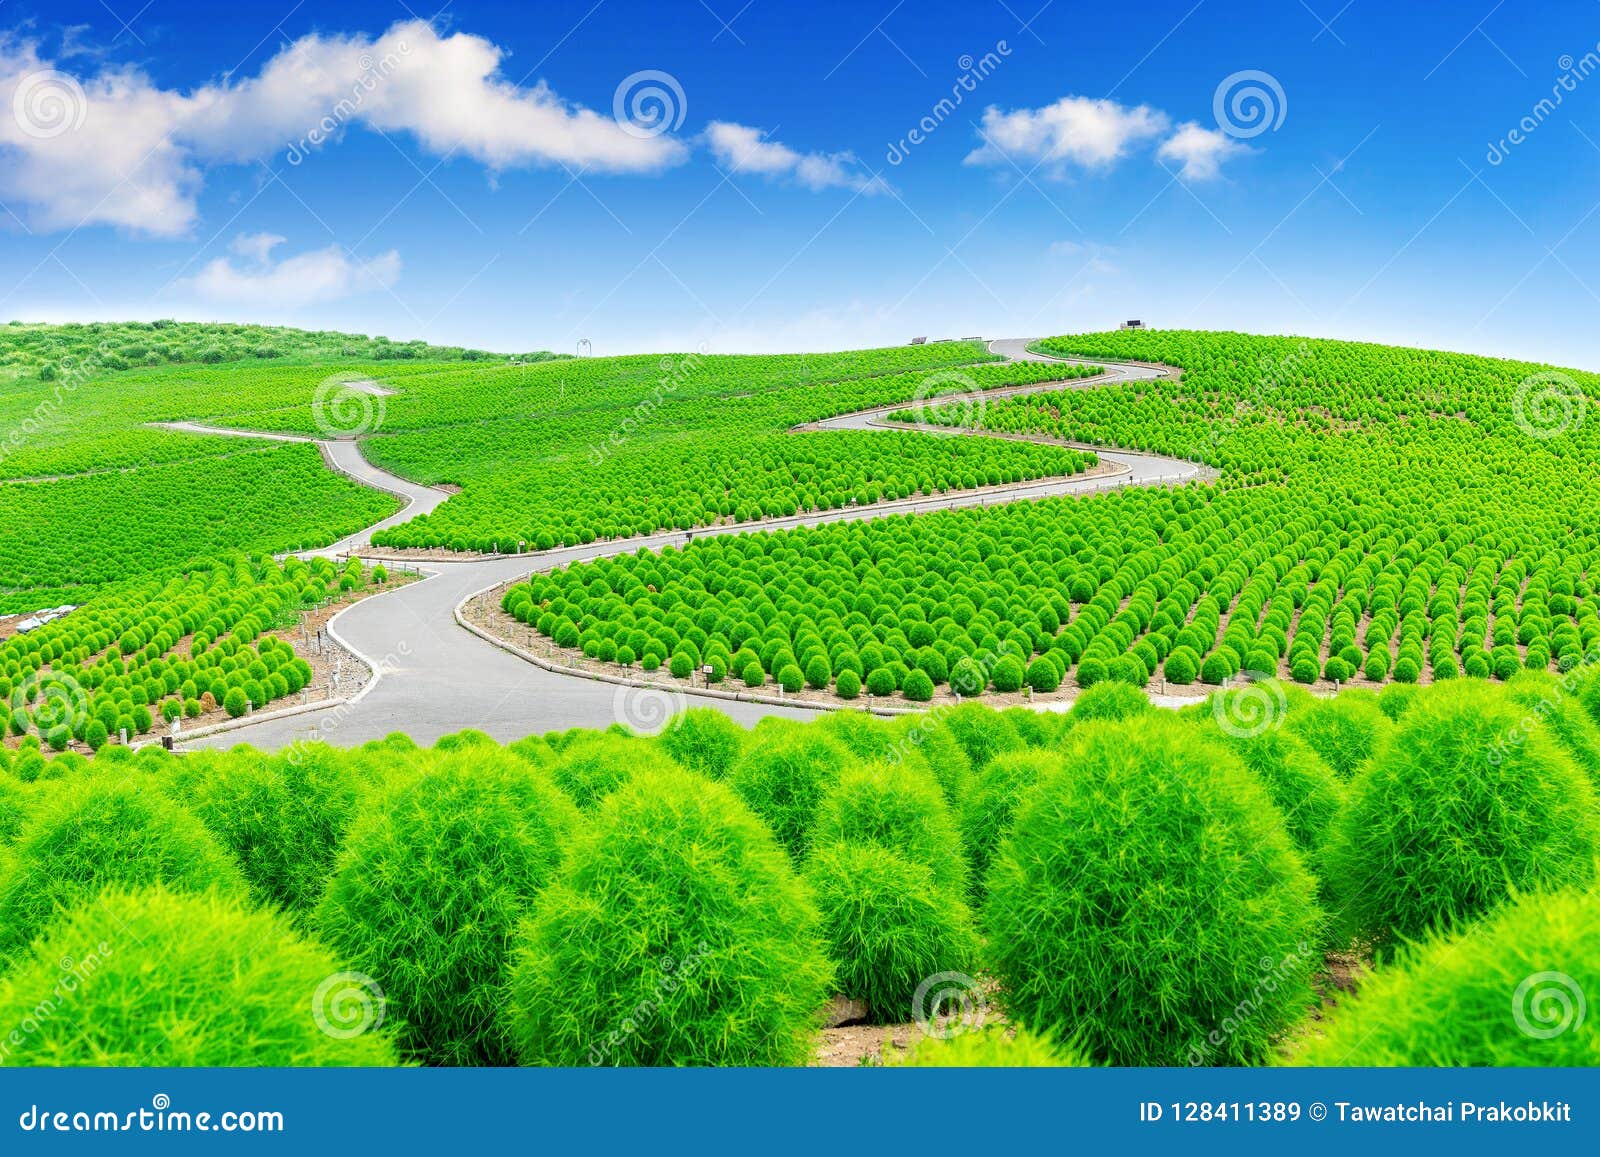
x=310 y=278
x=1096 y=134
x=1077 y=130
x=96 y=152
x=1200 y=151
x=747 y=150
x=256 y=246
x=116 y=149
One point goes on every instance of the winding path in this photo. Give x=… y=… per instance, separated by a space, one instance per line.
x=436 y=678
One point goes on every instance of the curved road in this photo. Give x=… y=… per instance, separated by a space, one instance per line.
x=438 y=678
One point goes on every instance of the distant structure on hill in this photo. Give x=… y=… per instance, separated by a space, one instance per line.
x=1132 y=323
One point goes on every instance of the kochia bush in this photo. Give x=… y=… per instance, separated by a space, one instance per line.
x=91 y=833
x=1141 y=887
x=163 y=978
x=899 y=809
x=889 y=924
x=1454 y=813
x=782 y=776
x=430 y=887
x=1509 y=991
x=676 y=934
x=283 y=817
x=703 y=740
x=987 y=812
x=597 y=763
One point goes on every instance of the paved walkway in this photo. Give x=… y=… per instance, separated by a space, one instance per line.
x=439 y=678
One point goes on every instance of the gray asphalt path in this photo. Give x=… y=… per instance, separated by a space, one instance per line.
x=437 y=678
x=343 y=455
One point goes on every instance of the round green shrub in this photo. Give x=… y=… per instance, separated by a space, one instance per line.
x=282 y=817
x=1092 y=671
x=1181 y=667
x=922 y=741
x=897 y=808
x=1148 y=863
x=430 y=887
x=1344 y=730
x=991 y=1047
x=1547 y=703
x=1459 y=808
x=864 y=736
x=680 y=665
x=987 y=811
x=755 y=675
x=1302 y=786
x=889 y=925
x=967 y=678
x=918 y=687
x=1217 y=668
x=1338 y=669
x=1396 y=699
x=847 y=685
x=93 y=832
x=1043 y=675
x=676 y=934
x=168 y=979
x=981 y=732
x=598 y=762
x=782 y=775
x=465 y=740
x=1108 y=702
x=234 y=702
x=1507 y=992
x=881 y=682
x=704 y=740
x=1007 y=675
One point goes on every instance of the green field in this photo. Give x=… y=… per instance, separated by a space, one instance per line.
x=1370 y=822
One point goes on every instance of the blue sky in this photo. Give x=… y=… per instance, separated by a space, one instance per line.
x=462 y=176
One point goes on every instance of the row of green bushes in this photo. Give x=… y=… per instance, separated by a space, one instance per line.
x=1130 y=886
x=173 y=649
